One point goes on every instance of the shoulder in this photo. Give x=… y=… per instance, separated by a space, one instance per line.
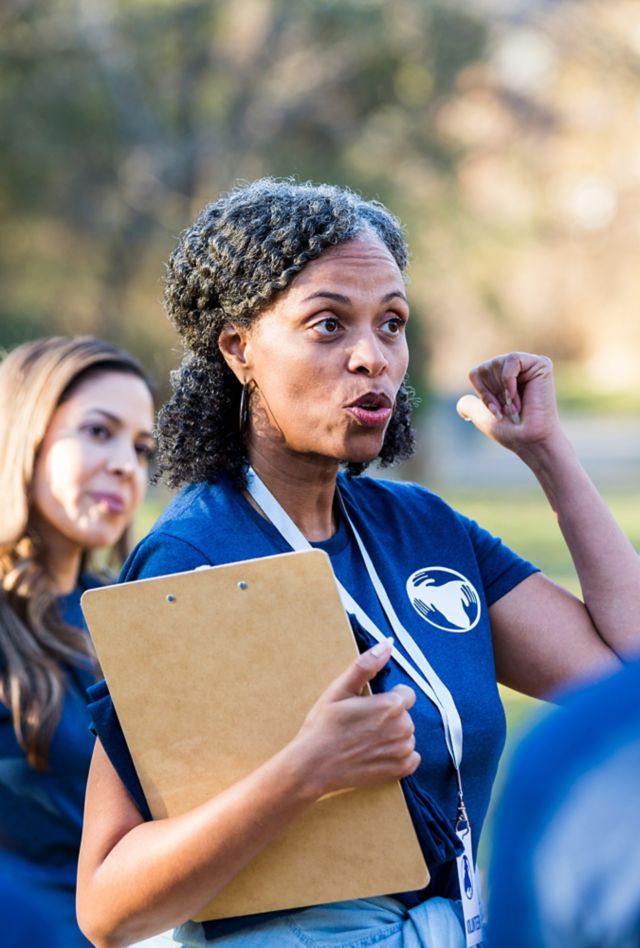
x=181 y=538
x=88 y=580
x=406 y=513
x=402 y=496
x=405 y=506
x=188 y=514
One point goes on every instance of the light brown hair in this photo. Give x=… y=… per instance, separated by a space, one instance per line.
x=35 y=643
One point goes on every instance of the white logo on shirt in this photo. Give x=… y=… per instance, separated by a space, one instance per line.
x=444 y=598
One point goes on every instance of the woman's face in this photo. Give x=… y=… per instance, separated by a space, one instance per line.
x=91 y=469
x=329 y=356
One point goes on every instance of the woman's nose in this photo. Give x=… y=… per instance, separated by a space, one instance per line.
x=367 y=357
x=122 y=461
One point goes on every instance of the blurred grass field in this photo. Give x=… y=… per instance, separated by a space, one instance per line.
x=525 y=522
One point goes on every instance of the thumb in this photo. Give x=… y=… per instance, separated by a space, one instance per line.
x=359 y=673
x=471 y=408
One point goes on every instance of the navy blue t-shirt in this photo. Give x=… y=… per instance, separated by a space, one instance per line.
x=41 y=812
x=440 y=570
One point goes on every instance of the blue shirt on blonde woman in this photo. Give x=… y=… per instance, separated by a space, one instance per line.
x=41 y=814
x=441 y=571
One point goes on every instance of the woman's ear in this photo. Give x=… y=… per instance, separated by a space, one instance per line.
x=232 y=343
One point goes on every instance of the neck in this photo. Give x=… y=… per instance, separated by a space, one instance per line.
x=305 y=487
x=63 y=559
x=66 y=575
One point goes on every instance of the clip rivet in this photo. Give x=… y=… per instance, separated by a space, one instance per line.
x=171 y=597
x=242 y=584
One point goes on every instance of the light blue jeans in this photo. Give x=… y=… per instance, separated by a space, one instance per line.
x=358 y=923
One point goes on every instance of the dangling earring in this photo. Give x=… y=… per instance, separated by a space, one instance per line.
x=243 y=420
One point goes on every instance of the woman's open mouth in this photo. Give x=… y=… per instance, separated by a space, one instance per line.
x=372 y=410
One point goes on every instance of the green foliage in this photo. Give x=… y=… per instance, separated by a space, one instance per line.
x=118 y=119
x=525 y=522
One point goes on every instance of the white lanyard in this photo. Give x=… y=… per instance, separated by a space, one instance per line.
x=425 y=678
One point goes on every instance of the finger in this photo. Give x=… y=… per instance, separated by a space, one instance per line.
x=510 y=369
x=394 y=768
x=410 y=764
x=494 y=369
x=359 y=673
x=488 y=388
x=400 y=749
x=407 y=696
x=497 y=383
x=388 y=709
x=392 y=763
x=472 y=409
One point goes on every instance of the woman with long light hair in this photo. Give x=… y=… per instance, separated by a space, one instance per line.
x=75 y=437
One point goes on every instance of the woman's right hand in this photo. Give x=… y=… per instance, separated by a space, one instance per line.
x=351 y=739
x=138 y=878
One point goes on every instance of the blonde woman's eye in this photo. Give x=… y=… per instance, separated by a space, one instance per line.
x=145 y=451
x=99 y=432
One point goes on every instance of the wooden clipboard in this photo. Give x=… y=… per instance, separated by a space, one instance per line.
x=213 y=671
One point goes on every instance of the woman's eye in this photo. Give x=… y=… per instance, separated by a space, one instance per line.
x=145 y=451
x=395 y=325
x=97 y=431
x=327 y=326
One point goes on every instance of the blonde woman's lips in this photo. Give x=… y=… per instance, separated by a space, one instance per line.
x=114 y=503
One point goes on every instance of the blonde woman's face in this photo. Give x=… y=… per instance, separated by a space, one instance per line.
x=91 y=470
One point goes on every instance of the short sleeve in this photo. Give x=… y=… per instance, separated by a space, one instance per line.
x=106 y=726
x=158 y=554
x=501 y=569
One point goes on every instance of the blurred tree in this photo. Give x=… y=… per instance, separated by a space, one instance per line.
x=117 y=119
x=509 y=146
x=541 y=247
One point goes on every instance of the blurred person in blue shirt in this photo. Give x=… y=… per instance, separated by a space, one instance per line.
x=565 y=868
x=75 y=438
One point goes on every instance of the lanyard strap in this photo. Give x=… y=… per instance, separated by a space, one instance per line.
x=423 y=675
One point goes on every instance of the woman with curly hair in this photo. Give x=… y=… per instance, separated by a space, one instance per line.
x=75 y=438
x=290 y=300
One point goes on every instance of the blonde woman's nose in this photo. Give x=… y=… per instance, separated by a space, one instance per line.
x=123 y=460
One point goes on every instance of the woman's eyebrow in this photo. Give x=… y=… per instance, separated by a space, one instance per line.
x=395 y=294
x=340 y=298
x=106 y=414
x=327 y=295
x=115 y=420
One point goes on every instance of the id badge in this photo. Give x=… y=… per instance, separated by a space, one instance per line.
x=469 y=891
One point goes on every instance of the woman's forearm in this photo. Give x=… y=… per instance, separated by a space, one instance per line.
x=136 y=878
x=163 y=872
x=606 y=563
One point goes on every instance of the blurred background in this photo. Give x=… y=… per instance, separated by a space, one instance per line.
x=504 y=133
